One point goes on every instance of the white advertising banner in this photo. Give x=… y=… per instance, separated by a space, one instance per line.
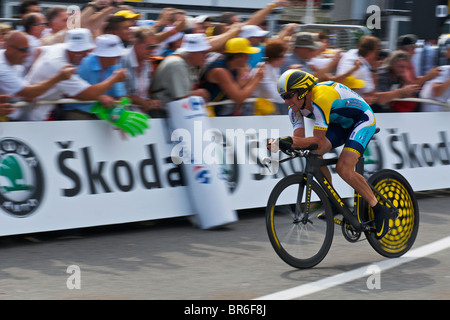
x=58 y=175
x=68 y=174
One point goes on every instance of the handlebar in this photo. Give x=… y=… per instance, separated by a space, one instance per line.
x=293 y=153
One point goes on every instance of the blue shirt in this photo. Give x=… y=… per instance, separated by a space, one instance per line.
x=91 y=70
x=256 y=58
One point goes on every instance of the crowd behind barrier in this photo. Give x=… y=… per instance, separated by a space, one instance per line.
x=117 y=54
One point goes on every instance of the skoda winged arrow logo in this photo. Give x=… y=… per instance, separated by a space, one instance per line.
x=21 y=178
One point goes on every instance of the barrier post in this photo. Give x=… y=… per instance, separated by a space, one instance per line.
x=207 y=190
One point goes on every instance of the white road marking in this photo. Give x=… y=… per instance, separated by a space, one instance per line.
x=361 y=272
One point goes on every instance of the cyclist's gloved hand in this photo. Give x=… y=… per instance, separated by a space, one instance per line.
x=285 y=143
x=134 y=123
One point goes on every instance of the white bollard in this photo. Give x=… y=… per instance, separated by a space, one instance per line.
x=207 y=190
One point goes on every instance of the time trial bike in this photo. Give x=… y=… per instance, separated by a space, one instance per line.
x=302 y=211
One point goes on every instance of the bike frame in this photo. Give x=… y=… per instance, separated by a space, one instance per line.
x=312 y=170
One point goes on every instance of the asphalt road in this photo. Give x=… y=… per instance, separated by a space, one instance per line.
x=170 y=259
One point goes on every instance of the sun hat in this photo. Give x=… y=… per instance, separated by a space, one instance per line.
x=252 y=31
x=195 y=42
x=406 y=40
x=108 y=45
x=202 y=18
x=174 y=37
x=240 y=45
x=79 y=39
x=305 y=40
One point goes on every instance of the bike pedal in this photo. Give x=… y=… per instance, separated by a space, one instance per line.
x=394 y=215
x=369 y=225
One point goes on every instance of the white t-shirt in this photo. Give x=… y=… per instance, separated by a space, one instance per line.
x=267 y=88
x=347 y=62
x=427 y=91
x=45 y=67
x=11 y=80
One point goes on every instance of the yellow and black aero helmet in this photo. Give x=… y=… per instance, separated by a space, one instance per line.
x=296 y=80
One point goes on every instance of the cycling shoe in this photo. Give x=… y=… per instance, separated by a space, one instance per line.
x=382 y=215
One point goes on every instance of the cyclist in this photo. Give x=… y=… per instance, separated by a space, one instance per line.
x=341 y=117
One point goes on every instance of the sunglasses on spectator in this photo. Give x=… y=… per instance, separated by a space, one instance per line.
x=43 y=24
x=24 y=49
x=288 y=95
x=152 y=46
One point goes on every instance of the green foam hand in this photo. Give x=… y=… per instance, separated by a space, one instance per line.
x=134 y=123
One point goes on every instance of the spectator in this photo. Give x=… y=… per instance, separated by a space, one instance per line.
x=130 y=15
x=392 y=81
x=96 y=68
x=229 y=18
x=136 y=61
x=221 y=78
x=4 y=30
x=203 y=22
x=29 y=6
x=121 y=27
x=26 y=7
x=267 y=88
x=57 y=17
x=166 y=18
x=168 y=46
x=5 y=107
x=367 y=52
x=439 y=87
x=173 y=79
x=12 y=82
x=95 y=14
x=78 y=43
x=256 y=36
x=407 y=44
x=304 y=50
x=325 y=60
x=34 y=24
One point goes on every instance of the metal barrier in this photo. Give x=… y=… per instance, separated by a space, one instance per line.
x=421 y=100
x=69 y=101
x=10 y=20
x=342 y=36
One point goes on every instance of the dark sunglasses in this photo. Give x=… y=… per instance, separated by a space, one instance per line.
x=24 y=49
x=43 y=24
x=152 y=46
x=288 y=95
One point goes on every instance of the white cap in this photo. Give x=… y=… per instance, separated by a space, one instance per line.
x=108 y=45
x=195 y=42
x=79 y=39
x=202 y=18
x=252 y=31
x=175 y=37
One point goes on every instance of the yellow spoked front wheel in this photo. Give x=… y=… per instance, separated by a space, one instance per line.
x=403 y=228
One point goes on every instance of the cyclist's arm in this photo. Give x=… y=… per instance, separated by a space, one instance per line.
x=300 y=141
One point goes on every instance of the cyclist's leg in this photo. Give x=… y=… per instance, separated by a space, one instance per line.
x=335 y=137
x=355 y=144
x=345 y=167
x=325 y=171
x=354 y=148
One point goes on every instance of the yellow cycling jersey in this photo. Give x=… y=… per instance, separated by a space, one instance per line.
x=332 y=103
